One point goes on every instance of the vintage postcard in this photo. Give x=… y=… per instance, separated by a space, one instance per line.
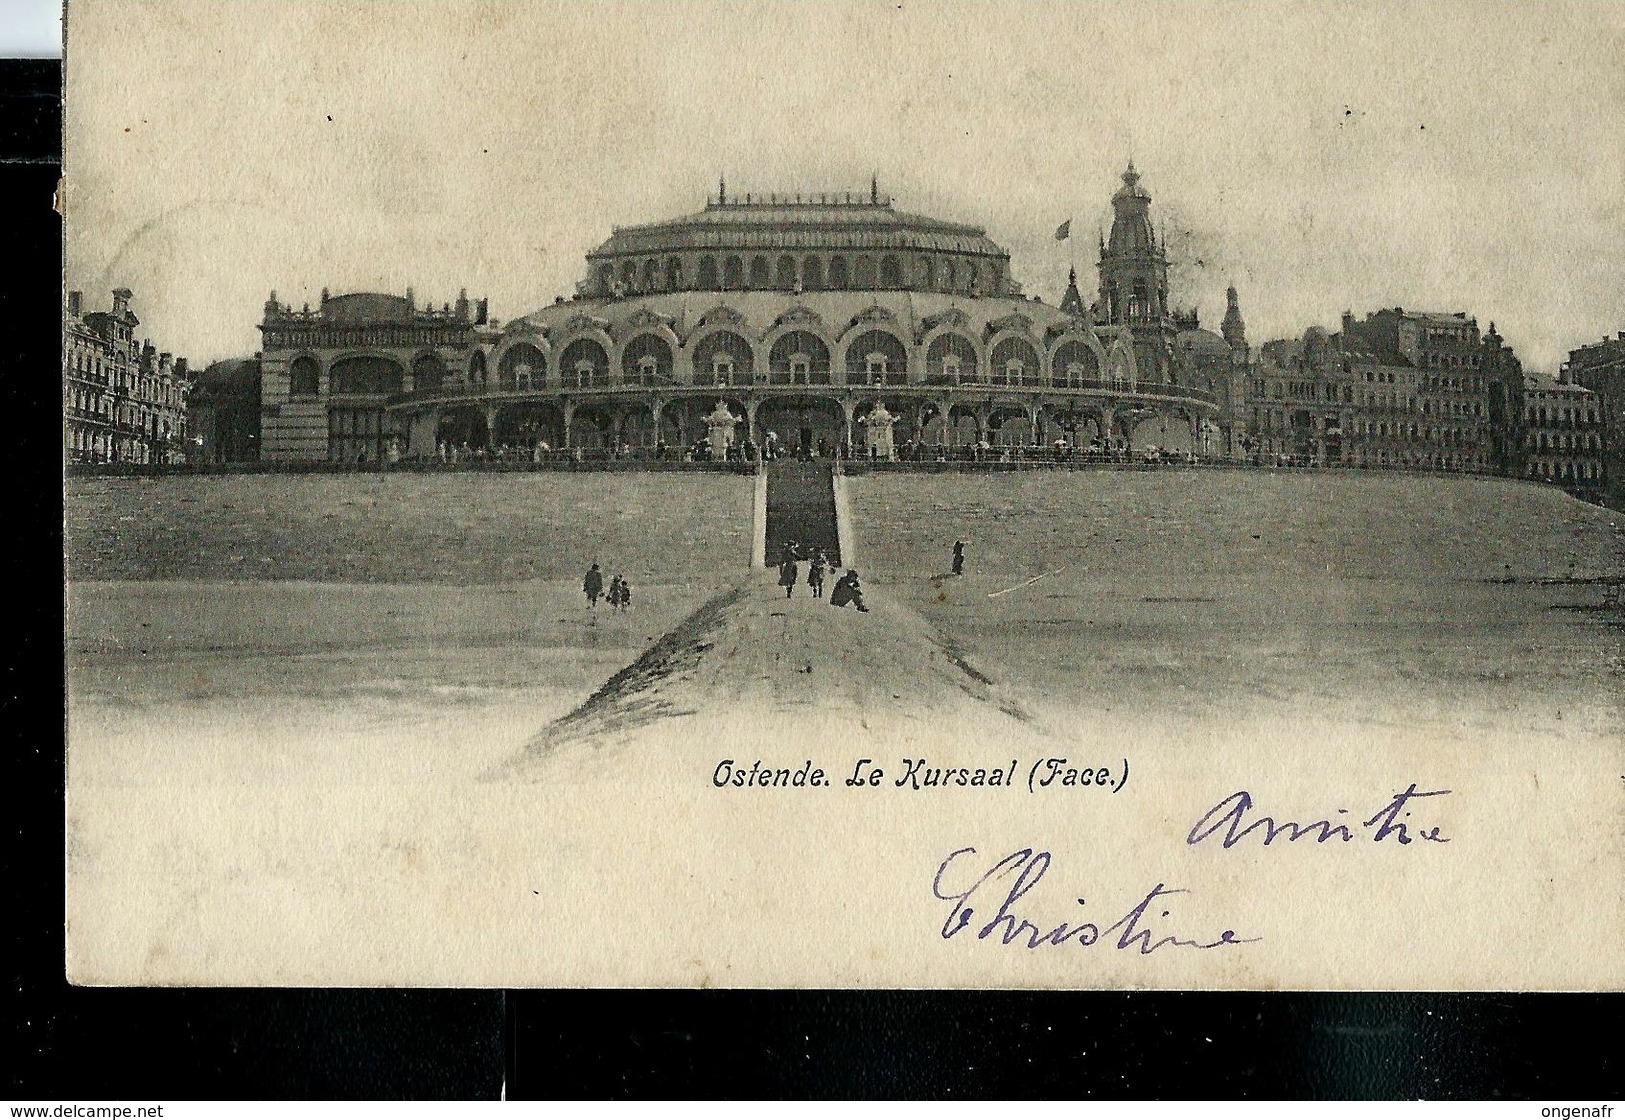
x=845 y=494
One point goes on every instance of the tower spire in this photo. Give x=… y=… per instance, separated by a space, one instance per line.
x=1233 y=329
x=874 y=188
x=1072 y=301
x=722 y=189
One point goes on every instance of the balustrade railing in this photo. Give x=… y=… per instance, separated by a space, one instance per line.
x=772 y=384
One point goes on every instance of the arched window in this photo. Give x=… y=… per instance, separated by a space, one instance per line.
x=787 y=273
x=995 y=280
x=1073 y=364
x=838 y=278
x=863 y=273
x=812 y=274
x=674 y=274
x=723 y=358
x=733 y=273
x=651 y=274
x=629 y=277
x=891 y=272
x=523 y=366
x=928 y=273
x=761 y=274
x=606 y=280
x=876 y=358
x=951 y=360
x=646 y=360
x=948 y=276
x=428 y=373
x=799 y=358
x=476 y=368
x=975 y=281
x=365 y=376
x=708 y=274
x=584 y=364
x=304 y=377
x=1015 y=362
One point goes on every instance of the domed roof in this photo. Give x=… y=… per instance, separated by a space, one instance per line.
x=1200 y=341
x=824 y=221
x=1131 y=185
x=367 y=307
x=1131 y=220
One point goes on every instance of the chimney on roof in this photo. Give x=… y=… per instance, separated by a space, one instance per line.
x=76 y=301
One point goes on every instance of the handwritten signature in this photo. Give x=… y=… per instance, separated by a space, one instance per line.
x=1231 y=817
x=1134 y=930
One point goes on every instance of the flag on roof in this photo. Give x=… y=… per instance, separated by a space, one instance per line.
x=1064 y=230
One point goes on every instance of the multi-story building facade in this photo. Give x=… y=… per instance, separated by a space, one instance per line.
x=801 y=314
x=1434 y=382
x=1401 y=389
x=1564 y=434
x=1301 y=403
x=327 y=375
x=1600 y=367
x=124 y=401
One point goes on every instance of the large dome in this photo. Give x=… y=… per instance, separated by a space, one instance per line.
x=788 y=243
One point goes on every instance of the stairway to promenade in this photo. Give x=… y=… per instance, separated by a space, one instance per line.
x=801 y=508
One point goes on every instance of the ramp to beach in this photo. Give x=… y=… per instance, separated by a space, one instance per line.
x=801 y=508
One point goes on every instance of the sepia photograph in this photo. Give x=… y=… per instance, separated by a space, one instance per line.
x=845 y=494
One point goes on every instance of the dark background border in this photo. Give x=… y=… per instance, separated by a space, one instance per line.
x=154 y=1044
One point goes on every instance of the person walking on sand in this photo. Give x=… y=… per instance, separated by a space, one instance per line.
x=787 y=574
x=620 y=593
x=815 y=574
x=959 y=558
x=593 y=585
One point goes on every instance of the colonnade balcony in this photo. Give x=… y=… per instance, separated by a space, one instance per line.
x=760 y=387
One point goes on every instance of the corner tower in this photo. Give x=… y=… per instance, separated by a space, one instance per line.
x=1234 y=328
x=1134 y=277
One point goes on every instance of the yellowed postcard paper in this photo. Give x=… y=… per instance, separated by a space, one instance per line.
x=845 y=494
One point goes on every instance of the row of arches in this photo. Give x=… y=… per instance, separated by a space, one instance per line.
x=371 y=374
x=933 y=272
x=811 y=422
x=800 y=356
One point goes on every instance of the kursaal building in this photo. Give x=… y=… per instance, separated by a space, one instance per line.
x=802 y=315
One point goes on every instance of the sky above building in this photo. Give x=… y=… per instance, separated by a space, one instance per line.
x=1320 y=157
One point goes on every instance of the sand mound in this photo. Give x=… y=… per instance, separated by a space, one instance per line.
x=753 y=672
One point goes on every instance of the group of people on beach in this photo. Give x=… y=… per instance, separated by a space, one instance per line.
x=847 y=592
x=619 y=595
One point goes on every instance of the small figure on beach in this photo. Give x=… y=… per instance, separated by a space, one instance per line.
x=787 y=573
x=593 y=585
x=847 y=591
x=959 y=558
x=815 y=574
x=620 y=593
